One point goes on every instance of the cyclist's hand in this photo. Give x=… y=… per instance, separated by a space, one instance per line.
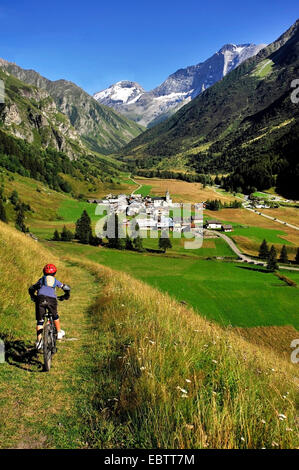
x=34 y=298
x=61 y=298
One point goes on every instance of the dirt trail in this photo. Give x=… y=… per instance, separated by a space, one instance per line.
x=33 y=403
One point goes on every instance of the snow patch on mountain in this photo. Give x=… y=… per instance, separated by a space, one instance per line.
x=123 y=92
x=148 y=108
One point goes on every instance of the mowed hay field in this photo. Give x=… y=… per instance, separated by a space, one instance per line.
x=250 y=229
x=276 y=338
x=287 y=214
x=182 y=191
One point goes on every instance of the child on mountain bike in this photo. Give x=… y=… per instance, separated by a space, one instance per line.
x=45 y=288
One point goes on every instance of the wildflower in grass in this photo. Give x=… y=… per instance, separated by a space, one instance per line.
x=282 y=416
x=151 y=342
x=142 y=368
x=289 y=429
x=182 y=390
x=184 y=395
x=214 y=360
x=263 y=421
x=189 y=426
x=242 y=439
x=188 y=381
x=274 y=444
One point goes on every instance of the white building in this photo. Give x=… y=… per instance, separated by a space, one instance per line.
x=213 y=224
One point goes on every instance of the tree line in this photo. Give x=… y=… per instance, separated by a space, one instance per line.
x=217 y=204
x=20 y=209
x=115 y=235
x=270 y=255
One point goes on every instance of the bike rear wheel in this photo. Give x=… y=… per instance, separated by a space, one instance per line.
x=49 y=346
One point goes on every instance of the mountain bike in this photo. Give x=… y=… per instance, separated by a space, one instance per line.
x=49 y=337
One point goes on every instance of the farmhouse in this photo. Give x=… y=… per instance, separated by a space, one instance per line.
x=213 y=224
x=227 y=228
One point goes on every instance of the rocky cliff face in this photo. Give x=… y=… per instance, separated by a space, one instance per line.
x=100 y=128
x=31 y=114
x=149 y=108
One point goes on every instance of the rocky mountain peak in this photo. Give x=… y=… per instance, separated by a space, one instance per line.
x=148 y=108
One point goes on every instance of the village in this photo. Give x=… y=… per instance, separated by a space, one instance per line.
x=160 y=213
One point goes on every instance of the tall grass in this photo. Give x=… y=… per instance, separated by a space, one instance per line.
x=167 y=378
x=21 y=263
x=154 y=373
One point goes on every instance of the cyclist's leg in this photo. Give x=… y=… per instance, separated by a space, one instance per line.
x=53 y=309
x=39 y=314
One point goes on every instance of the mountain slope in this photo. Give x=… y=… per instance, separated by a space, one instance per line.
x=101 y=129
x=246 y=119
x=148 y=108
x=31 y=114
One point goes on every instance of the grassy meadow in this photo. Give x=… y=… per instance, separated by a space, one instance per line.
x=225 y=292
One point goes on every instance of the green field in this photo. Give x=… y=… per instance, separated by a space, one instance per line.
x=258 y=234
x=144 y=190
x=210 y=248
x=70 y=210
x=226 y=292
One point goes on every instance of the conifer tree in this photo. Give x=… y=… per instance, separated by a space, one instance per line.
x=272 y=260
x=164 y=242
x=2 y=197
x=138 y=244
x=66 y=235
x=284 y=255
x=83 y=228
x=20 y=221
x=115 y=234
x=14 y=197
x=129 y=243
x=264 y=250
x=56 y=236
x=3 y=216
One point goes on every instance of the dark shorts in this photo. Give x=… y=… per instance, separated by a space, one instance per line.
x=40 y=310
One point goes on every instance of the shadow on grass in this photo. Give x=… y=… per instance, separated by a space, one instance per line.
x=23 y=355
x=260 y=270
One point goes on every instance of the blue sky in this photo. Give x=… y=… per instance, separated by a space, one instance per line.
x=95 y=44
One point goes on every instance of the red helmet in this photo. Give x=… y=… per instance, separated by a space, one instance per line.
x=50 y=269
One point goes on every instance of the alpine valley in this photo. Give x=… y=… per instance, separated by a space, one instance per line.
x=173 y=216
